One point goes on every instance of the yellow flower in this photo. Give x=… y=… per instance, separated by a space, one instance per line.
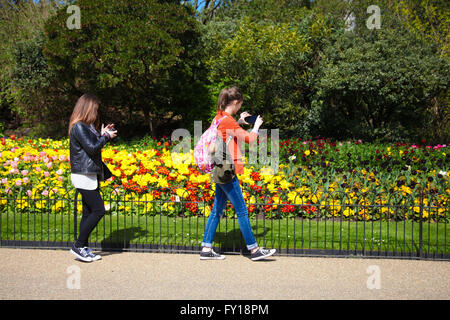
x=271 y=187
x=387 y=210
x=58 y=205
x=22 y=203
x=316 y=197
x=267 y=171
x=405 y=190
x=285 y=184
x=125 y=208
x=167 y=207
x=292 y=196
x=206 y=210
x=307 y=152
x=149 y=207
x=179 y=159
x=162 y=183
x=42 y=204
x=348 y=212
x=182 y=193
x=364 y=213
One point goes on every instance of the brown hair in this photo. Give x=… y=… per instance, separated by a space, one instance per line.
x=228 y=95
x=86 y=110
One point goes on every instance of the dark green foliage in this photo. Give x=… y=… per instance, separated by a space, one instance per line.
x=160 y=65
x=130 y=54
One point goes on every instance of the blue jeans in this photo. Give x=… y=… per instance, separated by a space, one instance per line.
x=230 y=191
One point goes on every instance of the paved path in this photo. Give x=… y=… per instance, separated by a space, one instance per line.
x=55 y=274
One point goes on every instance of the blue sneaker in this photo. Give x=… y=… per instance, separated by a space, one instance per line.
x=81 y=254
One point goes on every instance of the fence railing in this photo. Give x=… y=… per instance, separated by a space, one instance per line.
x=335 y=224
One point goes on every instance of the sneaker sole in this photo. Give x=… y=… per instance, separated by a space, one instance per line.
x=212 y=258
x=263 y=257
x=80 y=257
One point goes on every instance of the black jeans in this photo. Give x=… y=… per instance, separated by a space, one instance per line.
x=93 y=211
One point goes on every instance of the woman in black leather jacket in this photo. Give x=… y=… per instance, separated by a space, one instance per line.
x=88 y=169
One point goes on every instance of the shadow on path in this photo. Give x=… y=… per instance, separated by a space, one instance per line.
x=119 y=240
x=233 y=242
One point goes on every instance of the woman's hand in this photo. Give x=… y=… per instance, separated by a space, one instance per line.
x=259 y=121
x=109 y=129
x=242 y=116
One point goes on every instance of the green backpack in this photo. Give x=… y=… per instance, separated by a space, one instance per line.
x=223 y=165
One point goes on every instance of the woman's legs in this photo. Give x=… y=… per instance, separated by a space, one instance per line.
x=230 y=191
x=93 y=211
x=220 y=201
x=234 y=194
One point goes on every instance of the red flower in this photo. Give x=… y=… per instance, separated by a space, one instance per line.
x=287 y=208
x=256 y=188
x=255 y=176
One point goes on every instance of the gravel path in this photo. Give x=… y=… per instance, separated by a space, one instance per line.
x=55 y=274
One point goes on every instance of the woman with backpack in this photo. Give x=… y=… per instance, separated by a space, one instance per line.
x=229 y=102
x=88 y=169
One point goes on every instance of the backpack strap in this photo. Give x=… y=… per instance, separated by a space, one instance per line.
x=229 y=139
x=220 y=120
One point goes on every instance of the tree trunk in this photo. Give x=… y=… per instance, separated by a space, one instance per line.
x=149 y=121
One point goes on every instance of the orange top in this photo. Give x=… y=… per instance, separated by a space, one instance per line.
x=229 y=126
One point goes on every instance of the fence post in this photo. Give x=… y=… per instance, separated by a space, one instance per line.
x=420 y=225
x=75 y=208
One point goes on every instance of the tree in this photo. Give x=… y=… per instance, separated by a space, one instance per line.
x=21 y=27
x=125 y=52
x=205 y=10
x=378 y=86
x=428 y=19
x=268 y=49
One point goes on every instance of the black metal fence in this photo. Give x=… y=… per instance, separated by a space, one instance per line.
x=335 y=224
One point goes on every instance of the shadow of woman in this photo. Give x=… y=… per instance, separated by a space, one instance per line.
x=119 y=240
x=233 y=242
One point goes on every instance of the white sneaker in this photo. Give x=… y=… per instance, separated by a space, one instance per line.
x=211 y=255
x=81 y=254
x=262 y=253
x=91 y=254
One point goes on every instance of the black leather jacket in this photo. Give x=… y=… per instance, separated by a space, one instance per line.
x=85 y=151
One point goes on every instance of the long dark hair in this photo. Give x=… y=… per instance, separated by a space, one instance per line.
x=228 y=95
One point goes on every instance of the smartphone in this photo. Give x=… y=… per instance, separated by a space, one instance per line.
x=250 y=119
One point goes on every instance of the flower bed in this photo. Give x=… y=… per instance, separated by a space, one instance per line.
x=316 y=179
